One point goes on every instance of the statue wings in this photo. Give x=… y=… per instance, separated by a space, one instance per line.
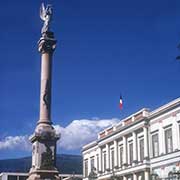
x=43 y=12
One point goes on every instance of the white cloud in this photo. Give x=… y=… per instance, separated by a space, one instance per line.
x=73 y=136
x=81 y=132
x=15 y=142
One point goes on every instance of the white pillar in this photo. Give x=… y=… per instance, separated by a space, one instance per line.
x=95 y=161
x=107 y=157
x=178 y=135
x=115 y=153
x=134 y=176
x=100 y=159
x=175 y=134
x=89 y=166
x=124 y=178
x=83 y=168
x=134 y=147
x=124 y=150
x=146 y=175
x=146 y=145
x=161 y=140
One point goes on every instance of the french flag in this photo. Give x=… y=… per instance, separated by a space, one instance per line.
x=120 y=103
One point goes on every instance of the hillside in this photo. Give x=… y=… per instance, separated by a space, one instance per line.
x=65 y=163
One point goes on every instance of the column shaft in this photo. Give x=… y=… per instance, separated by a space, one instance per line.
x=146 y=146
x=178 y=135
x=146 y=175
x=175 y=134
x=161 y=140
x=89 y=166
x=115 y=153
x=95 y=161
x=124 y=178
x=107 y=157
x=134 y=147
x=124 y=150
x=100 y=159
x=134 y=176
x=45 y=92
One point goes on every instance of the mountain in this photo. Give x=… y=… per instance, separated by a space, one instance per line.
x=66 y=164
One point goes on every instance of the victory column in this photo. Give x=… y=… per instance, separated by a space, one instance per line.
x=44 y=138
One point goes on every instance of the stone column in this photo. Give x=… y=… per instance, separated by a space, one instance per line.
x=175 y=134
x=95 y=161
x=107 y=158
x=134 y=176
x=134 y=148
x=178 y=135
x=83 y=168
x=100 y=159
x=124 y=178
x=124 y=151
x=44 y=138
x=45 y=94
x=46 y=47
x=161 y=139
x=115 y=153
x=146 y=175
x=146 y=145
x=89 y=165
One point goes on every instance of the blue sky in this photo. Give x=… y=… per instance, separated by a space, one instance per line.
x=104 y=48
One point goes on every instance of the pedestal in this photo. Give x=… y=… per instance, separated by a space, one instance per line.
x=44 y=154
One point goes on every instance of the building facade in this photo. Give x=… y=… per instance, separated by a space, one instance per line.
x=143 y=146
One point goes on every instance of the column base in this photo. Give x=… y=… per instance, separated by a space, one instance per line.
x=44 y=174
x=135 y=162
x=108 y=169
x=124 y=166
x=146 y=160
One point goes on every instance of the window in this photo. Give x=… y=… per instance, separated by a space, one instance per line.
x=86 y=168
x=141 y=149
x=112 y=158
x=130 y=153
x=104 y=161
x=155 y=145
x=23 y=177
x=92 y=163
x=10 y=177
x=168 y=140
x=121 y=156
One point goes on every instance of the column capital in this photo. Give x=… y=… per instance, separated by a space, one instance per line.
x=47 y=43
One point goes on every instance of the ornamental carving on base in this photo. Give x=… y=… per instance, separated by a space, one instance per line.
x=47 y=158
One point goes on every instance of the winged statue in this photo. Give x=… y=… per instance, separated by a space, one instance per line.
x=46 y=15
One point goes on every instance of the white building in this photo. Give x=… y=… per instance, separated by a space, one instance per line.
x=145 y=144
